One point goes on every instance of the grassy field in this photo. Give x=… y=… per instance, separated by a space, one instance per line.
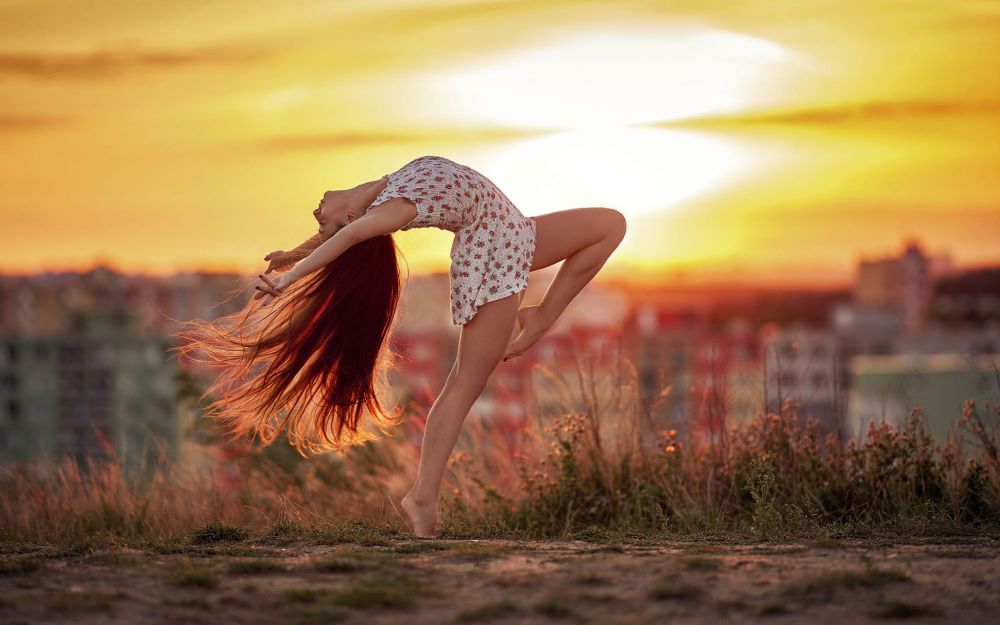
x=587 y=514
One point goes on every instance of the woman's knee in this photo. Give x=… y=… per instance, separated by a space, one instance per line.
x=616 y=224
x=475 y=373
x=472 y=381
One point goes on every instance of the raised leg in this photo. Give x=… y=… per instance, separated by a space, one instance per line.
x=584 y=238
x=480 y=348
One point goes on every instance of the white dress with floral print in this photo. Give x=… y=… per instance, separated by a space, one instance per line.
x=494 y=242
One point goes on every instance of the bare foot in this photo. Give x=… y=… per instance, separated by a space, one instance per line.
x=423 y=517
x=533 y=327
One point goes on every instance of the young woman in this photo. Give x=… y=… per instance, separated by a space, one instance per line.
x=318 y=349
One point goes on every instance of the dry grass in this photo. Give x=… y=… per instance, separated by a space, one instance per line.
x=593 y=474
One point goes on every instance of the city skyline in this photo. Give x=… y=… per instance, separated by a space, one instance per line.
x=728 y=356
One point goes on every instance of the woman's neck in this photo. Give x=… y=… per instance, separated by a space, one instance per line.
x=364 y=194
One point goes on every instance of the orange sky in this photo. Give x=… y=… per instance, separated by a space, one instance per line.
x=777 y=140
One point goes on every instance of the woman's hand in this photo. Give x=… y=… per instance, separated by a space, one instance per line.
x=272 y=287
x=280 y=261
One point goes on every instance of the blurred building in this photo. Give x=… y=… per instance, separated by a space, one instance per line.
x=185 y=296
x=424 y=361
x=571 y=368
x=802 y=363
x=84 y=357
x=866 y=330
x=903 y=284
x=100 y=380
x=887 y=388
x=661 y=344
x=43 y=303
x=971 y=298
x=424 y=339
x=963 y=340
x=745 y=392
x=712 y=354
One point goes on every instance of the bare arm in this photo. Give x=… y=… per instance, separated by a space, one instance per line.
x=282 y=260
x=385 y=219
x=306 y=247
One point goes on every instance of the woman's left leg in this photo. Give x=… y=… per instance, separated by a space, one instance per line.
x=480 y=346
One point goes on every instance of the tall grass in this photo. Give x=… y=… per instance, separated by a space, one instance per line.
x=572 y=473
x=774 y=475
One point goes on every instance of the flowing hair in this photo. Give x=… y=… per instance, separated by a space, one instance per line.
x=312 y=362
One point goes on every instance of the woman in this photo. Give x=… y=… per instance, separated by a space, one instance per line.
x=336 y=304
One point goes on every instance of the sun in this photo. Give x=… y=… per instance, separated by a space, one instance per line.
x=611 y=78
x=635 y=170
x=593 y=91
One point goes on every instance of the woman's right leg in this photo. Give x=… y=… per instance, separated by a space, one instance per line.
x=585 y=238
x=481 y=346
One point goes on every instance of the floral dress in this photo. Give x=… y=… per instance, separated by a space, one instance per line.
x=494 y=243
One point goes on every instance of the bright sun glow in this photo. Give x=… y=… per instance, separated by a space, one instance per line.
x=594 y=86
x=635 y=170
x=612 y=78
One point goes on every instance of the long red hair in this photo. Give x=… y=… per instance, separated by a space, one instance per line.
x=313 y=362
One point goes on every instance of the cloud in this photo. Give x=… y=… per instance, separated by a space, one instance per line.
x=323 y=141
x=109 y=63
x=335 y=140
x=21 y=123
x=855 y=112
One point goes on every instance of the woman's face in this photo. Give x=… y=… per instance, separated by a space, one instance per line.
x=329 y=214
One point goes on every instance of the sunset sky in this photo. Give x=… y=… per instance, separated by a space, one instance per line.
x=775 y=140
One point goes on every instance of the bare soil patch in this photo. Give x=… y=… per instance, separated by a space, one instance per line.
x=503 y=581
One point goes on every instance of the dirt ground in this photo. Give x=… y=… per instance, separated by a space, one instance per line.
x=496 y=581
